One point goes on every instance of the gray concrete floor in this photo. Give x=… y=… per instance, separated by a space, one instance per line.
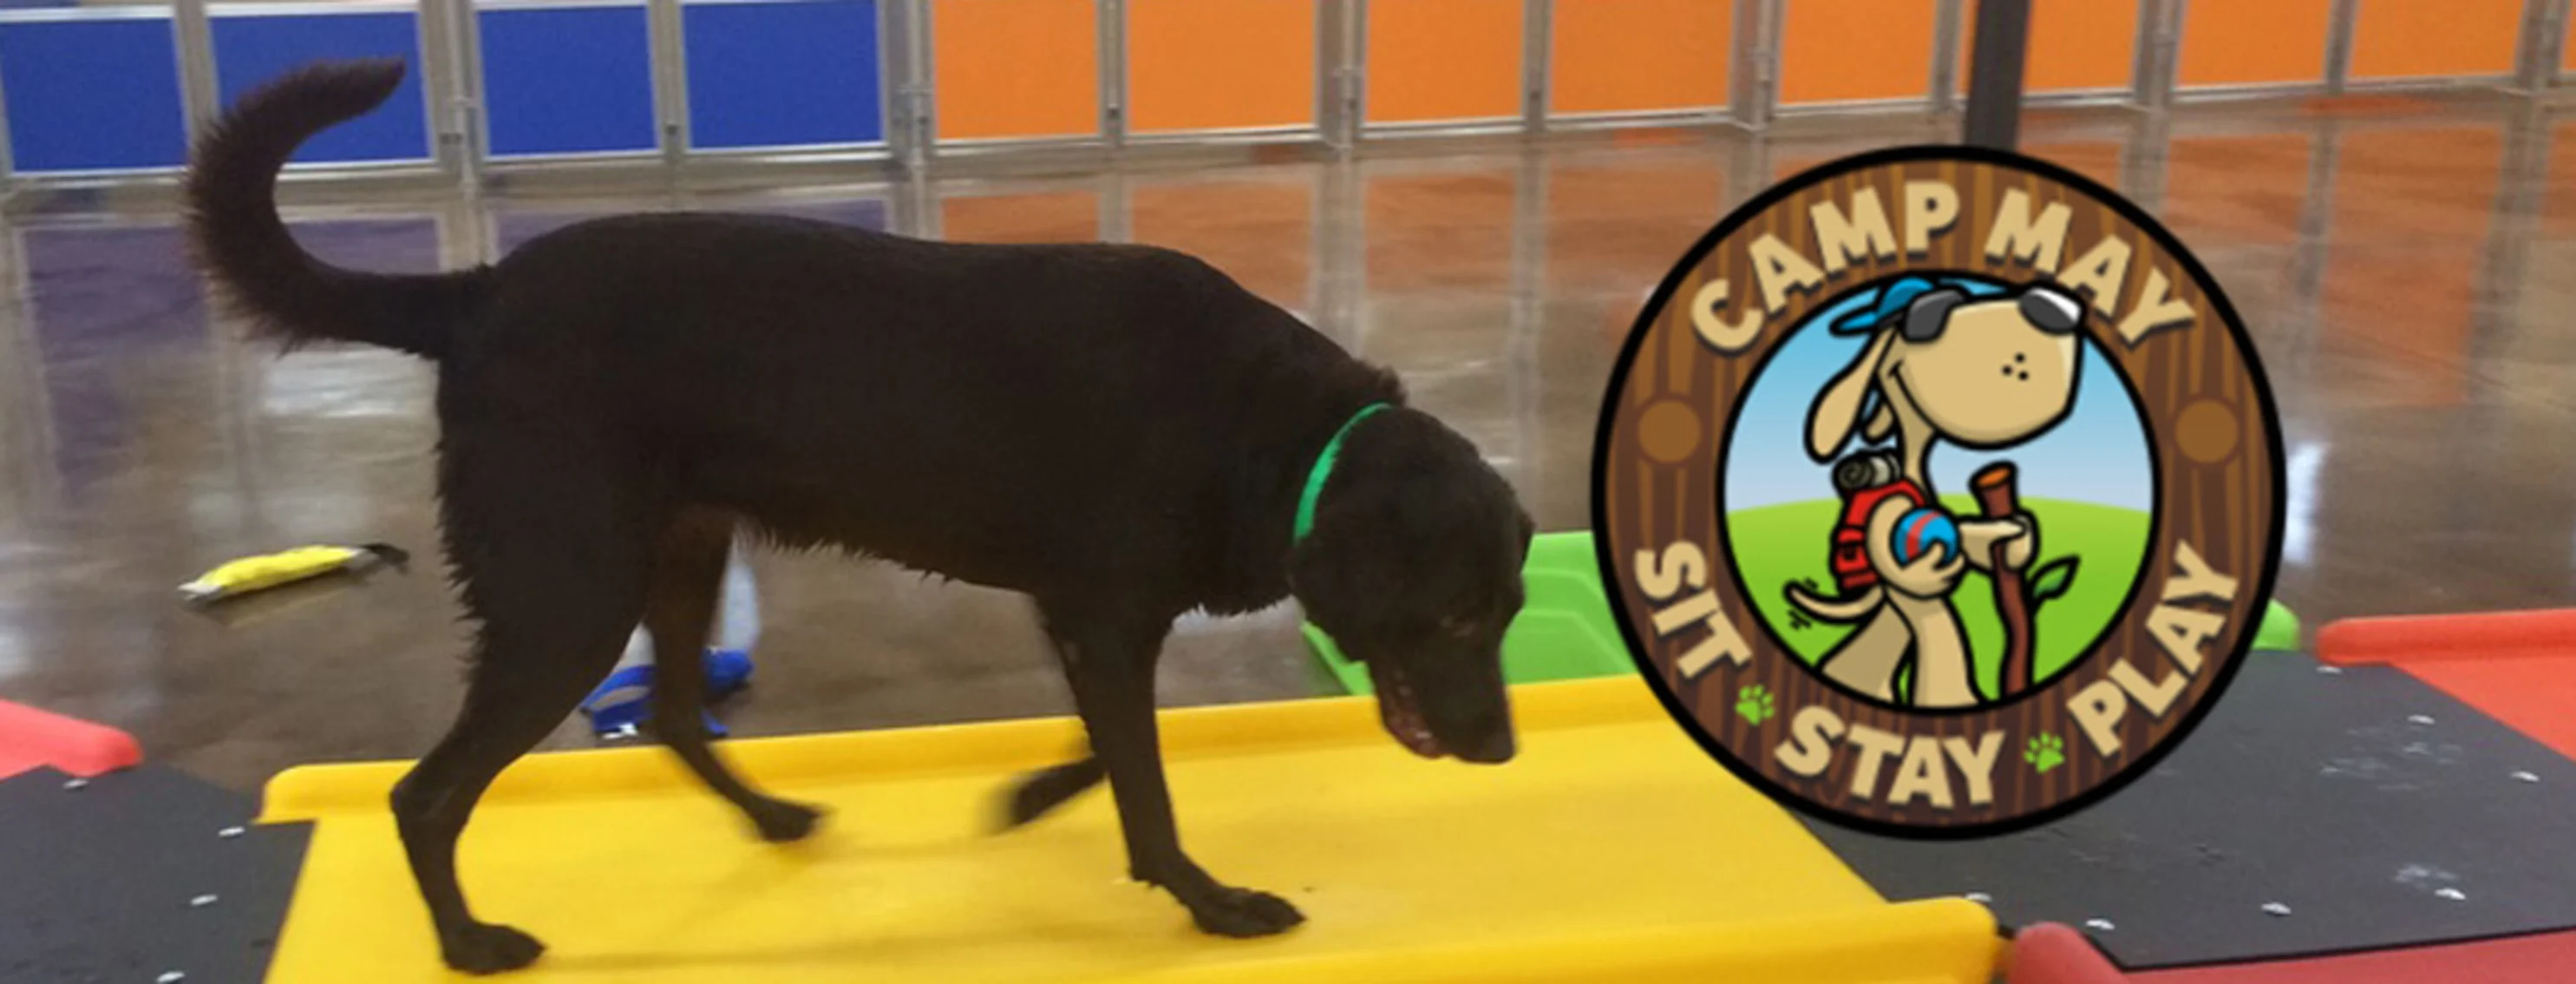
x=2408 y=270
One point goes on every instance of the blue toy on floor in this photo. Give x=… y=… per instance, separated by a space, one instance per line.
x=623 y=703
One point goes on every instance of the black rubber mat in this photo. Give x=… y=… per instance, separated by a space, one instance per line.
x=2314 y=811
x=136 y=875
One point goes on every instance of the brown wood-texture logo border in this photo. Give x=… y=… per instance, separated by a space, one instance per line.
x=1939 y=492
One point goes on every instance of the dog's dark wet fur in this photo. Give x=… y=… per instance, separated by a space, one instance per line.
x=1120 y=432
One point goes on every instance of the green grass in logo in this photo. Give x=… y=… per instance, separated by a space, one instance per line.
x=1777 y=545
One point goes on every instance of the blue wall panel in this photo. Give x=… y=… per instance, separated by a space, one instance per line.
x=250 y=51
x=776 y=73
x=568 y=80
x=93 y=95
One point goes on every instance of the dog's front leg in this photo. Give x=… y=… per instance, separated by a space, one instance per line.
x=1110 y=659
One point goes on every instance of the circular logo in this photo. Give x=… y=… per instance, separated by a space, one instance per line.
x=1940 y=492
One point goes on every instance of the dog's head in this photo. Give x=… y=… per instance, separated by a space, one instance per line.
x=1980 y=372
x=1414 y=569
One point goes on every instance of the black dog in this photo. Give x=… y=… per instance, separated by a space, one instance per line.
x=1120 y=432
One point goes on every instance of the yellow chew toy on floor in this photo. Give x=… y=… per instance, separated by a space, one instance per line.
x=251 y=574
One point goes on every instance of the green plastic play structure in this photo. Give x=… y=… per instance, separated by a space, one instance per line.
x=1566 y=632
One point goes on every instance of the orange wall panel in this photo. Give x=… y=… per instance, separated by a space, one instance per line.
x=1443 y=60
x=1220 y=64
x=1015 y=68
x=2413 y=38
x=1842 y=50
x=2253 y=42
x=2074 y=45
x=1621 y=56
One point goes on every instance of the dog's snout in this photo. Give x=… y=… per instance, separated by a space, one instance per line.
x=2051 y=309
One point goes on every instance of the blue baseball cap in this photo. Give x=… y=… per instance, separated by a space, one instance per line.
x=1894 y=298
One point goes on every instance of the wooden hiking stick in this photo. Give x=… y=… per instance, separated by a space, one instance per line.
x=1997 y=495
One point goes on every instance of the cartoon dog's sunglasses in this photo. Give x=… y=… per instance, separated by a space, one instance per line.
x=1924 y=308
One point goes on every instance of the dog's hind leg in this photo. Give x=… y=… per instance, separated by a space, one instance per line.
x=1867 y=659
x=688 y=567
x=1039 y=793
x=1109 y=651
x=555 y=575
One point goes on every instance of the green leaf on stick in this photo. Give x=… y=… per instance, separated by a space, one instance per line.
x=2052 y=579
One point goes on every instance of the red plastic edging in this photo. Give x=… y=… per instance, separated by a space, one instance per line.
x=2539 y=959
x=31 y=738
x=2429 y=638
x=2054 y=953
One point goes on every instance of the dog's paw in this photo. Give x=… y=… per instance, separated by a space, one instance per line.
x=486 y=948
x=1243 y=913
x=780 y=821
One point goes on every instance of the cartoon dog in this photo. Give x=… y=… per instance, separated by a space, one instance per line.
x=1982 y=373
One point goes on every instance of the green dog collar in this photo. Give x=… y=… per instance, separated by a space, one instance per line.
x=1324 y=470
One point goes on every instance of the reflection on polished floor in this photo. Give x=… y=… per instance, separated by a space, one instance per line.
x=2408 y=271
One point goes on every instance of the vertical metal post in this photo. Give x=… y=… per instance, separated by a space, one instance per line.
x=438 y=83
x=890 y=79
x=1538 y=27
x=1112 y=18
x=2503 y=270
x=2512 y=223
x=930 y=210
x=1529 y=316
x=1947 y=18
x=2308 y=264
x=2340 y=21
x=26 y=441
x=8 y=156
x=195 y=37
x=2542 y=47
x=1994 y=74
x=1341 y=244
x=2156 y=64
x=1755 y=88
x=1330 y=15
x=463 y=128
x=1748 y=171
x=1347 y=88
x=670 y=77
x=2143 y=163
x=1117 y=208
x=912 y=133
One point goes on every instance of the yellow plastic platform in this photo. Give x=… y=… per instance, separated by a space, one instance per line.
x=1611 y=850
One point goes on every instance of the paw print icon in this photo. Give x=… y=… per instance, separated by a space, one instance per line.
x=2044 y=753
x=1754 y=704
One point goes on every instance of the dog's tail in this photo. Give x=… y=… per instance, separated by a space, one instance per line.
x=1836 y=610
x=240 y=242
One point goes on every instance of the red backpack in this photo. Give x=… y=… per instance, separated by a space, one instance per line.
x=1865 y=480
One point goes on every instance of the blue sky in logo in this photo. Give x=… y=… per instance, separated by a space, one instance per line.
x=2098 y=454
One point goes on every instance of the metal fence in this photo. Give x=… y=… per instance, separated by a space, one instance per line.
x=109 y=94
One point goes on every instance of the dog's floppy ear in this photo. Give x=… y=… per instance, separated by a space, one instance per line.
x=1881 y=423
x=1837 y=409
